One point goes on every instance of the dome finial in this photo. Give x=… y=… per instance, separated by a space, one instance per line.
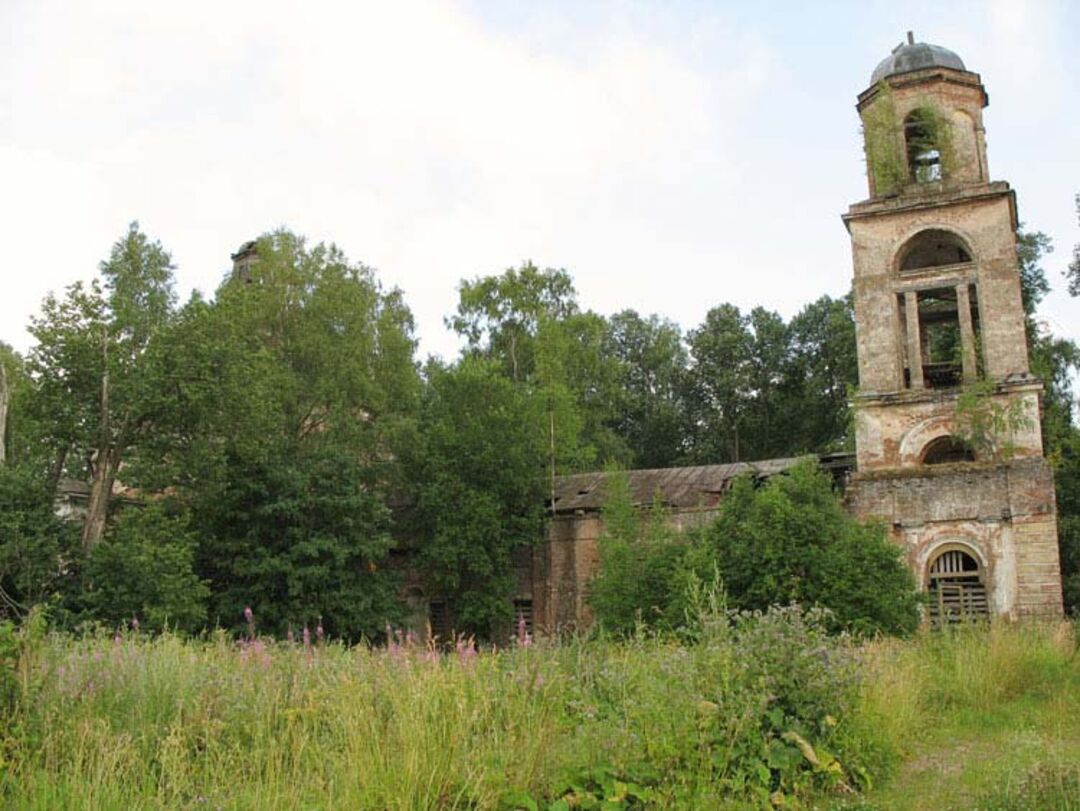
x=910 y=38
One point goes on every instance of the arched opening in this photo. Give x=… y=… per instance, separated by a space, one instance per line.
x=945 y=450
x=934 y=248
x=939 y=316
x=923 y=143
x=956 y=584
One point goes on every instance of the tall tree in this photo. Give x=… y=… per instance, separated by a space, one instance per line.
x=501 y=315
x=717 y=385
x=652 y=365
x=477 y=470
x=295 y=384
x=823 y=369
x=99 y=387
x=1073 y=271
x=9 y=364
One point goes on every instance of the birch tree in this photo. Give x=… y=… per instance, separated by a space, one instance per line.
x=99 y=386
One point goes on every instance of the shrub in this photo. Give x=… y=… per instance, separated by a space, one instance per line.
x=791 y=541
x=143 y=568
x=638 y=580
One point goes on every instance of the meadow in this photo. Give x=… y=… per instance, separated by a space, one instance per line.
x=742 y=711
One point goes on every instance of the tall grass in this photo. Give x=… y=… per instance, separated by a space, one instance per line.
x=161 y=722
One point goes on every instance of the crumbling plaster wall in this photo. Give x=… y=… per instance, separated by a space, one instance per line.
x=1003 y=513
x=889 y=437
x=983 y=217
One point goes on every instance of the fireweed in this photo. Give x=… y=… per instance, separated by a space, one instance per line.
x=756 y=709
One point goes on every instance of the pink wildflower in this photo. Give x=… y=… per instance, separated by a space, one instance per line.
x=524 y=639
x=319 y=632
x=249 y=618
x=466 y=650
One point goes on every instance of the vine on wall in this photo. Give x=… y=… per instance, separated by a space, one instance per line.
x=887 y=148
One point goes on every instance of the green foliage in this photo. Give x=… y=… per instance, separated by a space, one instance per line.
x=822 y=370
x=502 y=314
x=298 y=535
x=99 y=383
x=34 y=542
x=154 y=721
x=291 y=391
x=1055 y=361
x=987 y=425
x=478 y=468
x=891 y=152
x=1073 y=271
x=758 y=388
x=791 y=541
x=883 y=139
x=143 y=569
x=1031 y=247
x=639 y=580
x=651 y=364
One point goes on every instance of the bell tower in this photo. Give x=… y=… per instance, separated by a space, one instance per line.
x=948 y=436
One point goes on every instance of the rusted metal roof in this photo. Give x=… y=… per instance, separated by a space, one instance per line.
x=676 y=487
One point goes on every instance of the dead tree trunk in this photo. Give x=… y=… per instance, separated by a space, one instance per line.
x=105 y=466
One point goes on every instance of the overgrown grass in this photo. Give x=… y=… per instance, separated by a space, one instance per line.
x=754 y=712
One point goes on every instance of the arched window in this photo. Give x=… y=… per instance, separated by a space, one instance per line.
x=945 y=450
x=933 y=248
x=957 y=588
x=923 y=146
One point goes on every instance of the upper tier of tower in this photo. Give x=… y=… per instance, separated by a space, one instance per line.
x=922 y=123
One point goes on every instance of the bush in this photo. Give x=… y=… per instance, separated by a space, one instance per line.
x=143 y=568
x=639 y=578
x=791 y=541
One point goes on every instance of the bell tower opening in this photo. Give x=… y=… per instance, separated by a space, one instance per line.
x=922 y=139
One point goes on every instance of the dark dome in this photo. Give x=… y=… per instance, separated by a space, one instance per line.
x=915 y=56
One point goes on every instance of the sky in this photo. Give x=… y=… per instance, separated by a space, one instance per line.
x=672 y=156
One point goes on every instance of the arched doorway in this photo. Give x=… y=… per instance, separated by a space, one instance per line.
x=956 y=583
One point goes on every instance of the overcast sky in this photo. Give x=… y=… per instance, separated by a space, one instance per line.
x=670 y=155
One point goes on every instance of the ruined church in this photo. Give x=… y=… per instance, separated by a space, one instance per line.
x=938 y=314
x=942 y=355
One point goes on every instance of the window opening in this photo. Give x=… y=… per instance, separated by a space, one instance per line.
x=946 y=450
x=939 y=331
x=902 y=337
x=957 y=589
x=934 y=248
x=924 y=156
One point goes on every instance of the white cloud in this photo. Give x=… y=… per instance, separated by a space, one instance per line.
x=659 y=153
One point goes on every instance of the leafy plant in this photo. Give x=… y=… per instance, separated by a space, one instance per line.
x=791 y=541
x=989 y=424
